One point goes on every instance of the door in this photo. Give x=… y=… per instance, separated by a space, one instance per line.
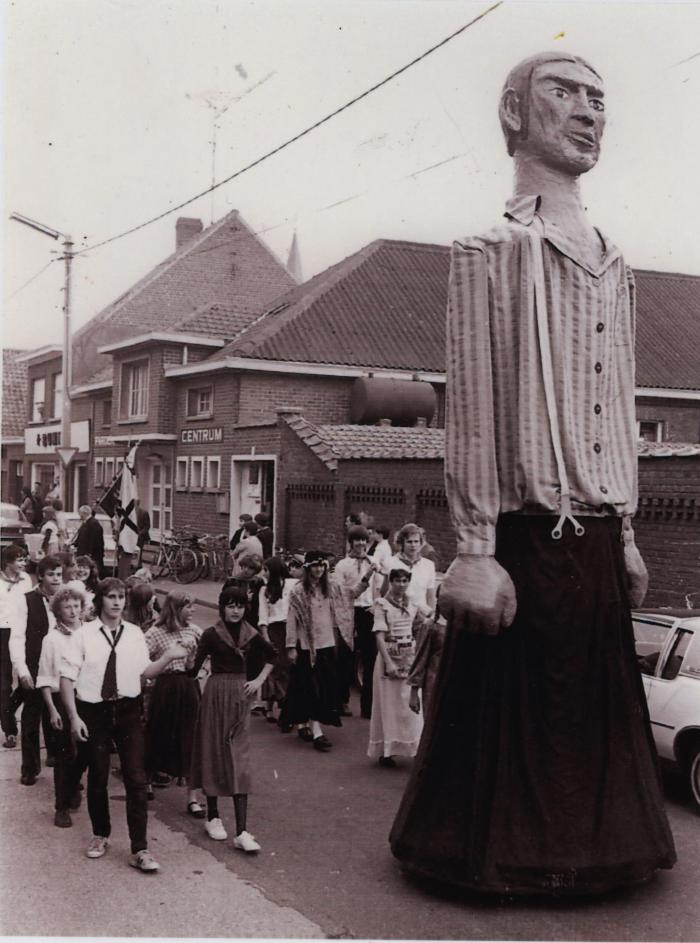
x=160 y=497
x=252 y=487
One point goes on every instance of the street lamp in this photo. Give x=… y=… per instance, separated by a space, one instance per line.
x=65 y=452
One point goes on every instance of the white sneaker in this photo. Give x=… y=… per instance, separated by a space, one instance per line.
x=245 y=842
x=144 y=861
x=97 y=846
x=215 y=829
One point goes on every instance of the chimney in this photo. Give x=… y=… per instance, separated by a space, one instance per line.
x=186 y=228
x=421 y=422
x=384 y=422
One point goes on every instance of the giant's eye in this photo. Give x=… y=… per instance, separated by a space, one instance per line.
x=596 y=104
x=560 y=92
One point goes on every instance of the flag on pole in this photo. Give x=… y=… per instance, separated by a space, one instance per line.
x=109 y=502
x=128 y=495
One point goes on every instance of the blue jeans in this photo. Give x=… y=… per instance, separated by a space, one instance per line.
x=117 y=722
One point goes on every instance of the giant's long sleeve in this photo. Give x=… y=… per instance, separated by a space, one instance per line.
x=471 y=474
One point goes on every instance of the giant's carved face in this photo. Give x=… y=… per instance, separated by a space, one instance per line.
x=566 y=117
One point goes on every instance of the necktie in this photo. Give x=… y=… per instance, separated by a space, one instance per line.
x=109 y=682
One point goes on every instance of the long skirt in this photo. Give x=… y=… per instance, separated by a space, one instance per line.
x=275 y=685
x=394 y=730
x=537 y=772
x=221 y=752
x=172 y=713
x=314 y=691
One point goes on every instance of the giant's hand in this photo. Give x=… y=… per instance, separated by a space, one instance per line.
x=478 y=594
x=637 y=576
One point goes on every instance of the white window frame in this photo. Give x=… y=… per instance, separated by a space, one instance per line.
x=118 y=465
x=213 y=472
x=109 y=471
x=99 y=471
x=39 y=404
x=659 y=423
x=198 y=412
x=197 y=461
x=182 y=481
x=134 y=397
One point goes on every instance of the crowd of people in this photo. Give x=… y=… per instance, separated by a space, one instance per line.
x=102 y=668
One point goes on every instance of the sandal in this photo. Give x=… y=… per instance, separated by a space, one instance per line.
x=195 y=810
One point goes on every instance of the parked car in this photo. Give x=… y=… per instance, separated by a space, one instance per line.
x=73 y=523
x=668 y=650
x=14 y=526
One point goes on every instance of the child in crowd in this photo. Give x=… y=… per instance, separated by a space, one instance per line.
x=273 y=606
x=68 y=606
x=394 y=729
x=174 y=701
x=221 y=753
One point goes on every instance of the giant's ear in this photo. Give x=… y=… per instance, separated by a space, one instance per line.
x=510 y=111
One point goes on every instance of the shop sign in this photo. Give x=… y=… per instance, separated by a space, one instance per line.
x=104 y=440
x=44 y=440
x=202 y=436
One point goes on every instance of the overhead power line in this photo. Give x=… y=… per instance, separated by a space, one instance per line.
x=30 y=280
x=297 y=137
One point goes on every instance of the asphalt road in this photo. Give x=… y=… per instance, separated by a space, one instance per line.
x=325 y=868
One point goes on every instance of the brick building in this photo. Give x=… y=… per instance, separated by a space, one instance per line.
x=14 y=409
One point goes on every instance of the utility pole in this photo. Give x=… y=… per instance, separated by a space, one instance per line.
x=65 y=450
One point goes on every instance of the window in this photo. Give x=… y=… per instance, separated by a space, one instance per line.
x=196 y=474
x=57 y=397
x=134 y=390
x=106 y=412
x=99 y=472
x=200 y=402
x=109 y=470
x=38 y=397
x=676 y=655
x=213 y=473
x=118 y=465
x=650 y=430
x=649 y=640
x=181 y=469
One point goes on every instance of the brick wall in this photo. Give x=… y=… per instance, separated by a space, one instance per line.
x=318 y=399
x=667 y=528
x=681 y=420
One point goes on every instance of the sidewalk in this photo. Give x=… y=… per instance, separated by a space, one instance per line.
x=49 y=888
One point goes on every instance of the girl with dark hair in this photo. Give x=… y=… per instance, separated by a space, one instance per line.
x=273 y=606
x=318 y=614
x=87 y=572
x=394 y=728
x=221 y=752
x=174 y=701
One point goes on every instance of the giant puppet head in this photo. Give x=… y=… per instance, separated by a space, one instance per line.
x=552 y=110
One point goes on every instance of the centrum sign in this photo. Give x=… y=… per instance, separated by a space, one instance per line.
x=202 y=436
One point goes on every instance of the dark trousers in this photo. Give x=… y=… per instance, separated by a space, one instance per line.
x=70 y=759
x=7 y=716
x=120 y=722
x=345 y=667
x=34 y=716
x=367 y=648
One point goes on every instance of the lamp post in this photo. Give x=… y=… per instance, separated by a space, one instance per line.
x=67 y=353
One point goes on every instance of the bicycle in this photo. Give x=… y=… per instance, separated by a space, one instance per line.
x=179 y=557
x=218 y=559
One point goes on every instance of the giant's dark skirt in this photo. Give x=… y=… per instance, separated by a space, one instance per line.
x=172 y=715
x=537 y=771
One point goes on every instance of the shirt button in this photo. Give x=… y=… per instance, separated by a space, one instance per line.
x=598 y=368
x=597 y=447
x=600 y=327
x=603 y=489
x=597 y=409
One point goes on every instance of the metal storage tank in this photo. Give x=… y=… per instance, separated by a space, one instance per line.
x=401 y=401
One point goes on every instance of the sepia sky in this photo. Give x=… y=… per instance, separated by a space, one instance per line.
x=109 y=107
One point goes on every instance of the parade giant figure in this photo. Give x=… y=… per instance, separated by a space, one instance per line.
x=536 y=771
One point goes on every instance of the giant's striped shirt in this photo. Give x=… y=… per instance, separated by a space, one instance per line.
x=499 y=454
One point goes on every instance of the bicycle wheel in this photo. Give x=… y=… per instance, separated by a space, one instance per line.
x=161 y=566
x=187 y=566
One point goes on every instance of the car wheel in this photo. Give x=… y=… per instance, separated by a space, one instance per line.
x=694 y=775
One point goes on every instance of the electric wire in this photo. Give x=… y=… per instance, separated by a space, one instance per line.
x=30 y=280
x=296 y=137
